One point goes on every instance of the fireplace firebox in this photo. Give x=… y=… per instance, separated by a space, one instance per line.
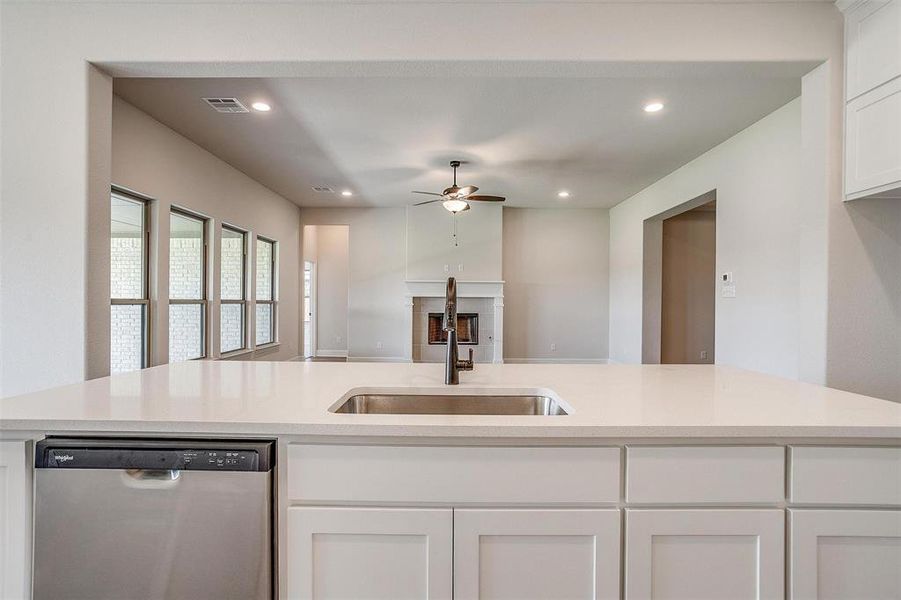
x=467 y=329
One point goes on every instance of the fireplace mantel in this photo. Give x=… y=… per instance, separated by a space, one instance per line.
x=435 y=288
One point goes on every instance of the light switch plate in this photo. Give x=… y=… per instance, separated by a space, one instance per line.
x=728 y=291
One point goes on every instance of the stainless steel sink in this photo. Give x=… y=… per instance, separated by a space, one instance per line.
x=450 y=404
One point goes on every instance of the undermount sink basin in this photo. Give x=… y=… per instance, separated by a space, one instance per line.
x=450 y=404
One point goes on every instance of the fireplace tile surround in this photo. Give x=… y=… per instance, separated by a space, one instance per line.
x=482 y=297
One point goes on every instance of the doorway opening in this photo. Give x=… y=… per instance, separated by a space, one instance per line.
x=326 y=256
x=309 y=269
x=679 y=279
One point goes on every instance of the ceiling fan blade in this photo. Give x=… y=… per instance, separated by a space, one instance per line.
x=427 y=193
x=428 y=201
x=466 y=191
x=486 y=198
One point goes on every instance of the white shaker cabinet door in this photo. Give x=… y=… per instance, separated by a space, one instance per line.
x=369 y=553
x=845 y=554
x=704 y=554
x=15 y=500
x=506 y=554
x=873 y=45
x=873 y=142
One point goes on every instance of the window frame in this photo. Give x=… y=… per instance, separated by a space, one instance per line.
x=203 y=301
x=273 y=298
x=144 y=300
x=244 y=301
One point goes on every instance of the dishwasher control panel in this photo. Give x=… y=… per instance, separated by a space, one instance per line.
x=181 y=455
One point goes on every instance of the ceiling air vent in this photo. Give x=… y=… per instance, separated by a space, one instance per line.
x=323 y=189
x=226 y=105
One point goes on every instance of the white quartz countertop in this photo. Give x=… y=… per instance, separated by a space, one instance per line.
x=293 y=398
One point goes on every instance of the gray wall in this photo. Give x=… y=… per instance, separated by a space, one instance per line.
x=150 y=158
x=756 y=175
x=376 y=288
x=555 y=284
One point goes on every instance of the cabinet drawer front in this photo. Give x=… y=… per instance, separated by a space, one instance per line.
x=873 y=140
x=705 y=474
x=837 y=475
x=452 y=475
x=873 y=39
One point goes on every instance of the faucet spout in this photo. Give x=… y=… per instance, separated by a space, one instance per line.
x=453 y=365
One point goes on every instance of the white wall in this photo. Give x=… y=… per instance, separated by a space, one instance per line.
x=555 y=284
x=332 y=279
x=756 y=175
x=155 y=161
x=55 y=162
x=430 y=244
x=376 y=288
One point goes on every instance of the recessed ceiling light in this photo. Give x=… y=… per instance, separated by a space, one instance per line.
x=563 y=194
x=347 y=193
x=261 y=107
x=653 y=107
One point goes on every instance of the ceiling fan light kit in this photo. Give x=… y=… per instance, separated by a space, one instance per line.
x=456 y=198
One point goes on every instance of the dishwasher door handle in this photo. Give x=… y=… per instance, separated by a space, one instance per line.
x=151 y=478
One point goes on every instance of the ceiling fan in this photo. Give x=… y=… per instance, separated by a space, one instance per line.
x=455 y=198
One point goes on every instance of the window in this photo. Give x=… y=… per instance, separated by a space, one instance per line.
x=129 y=304
x=187 y=286
x=266 y=305
x=232 y=290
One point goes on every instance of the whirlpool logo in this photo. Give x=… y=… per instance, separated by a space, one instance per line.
x=63 y=458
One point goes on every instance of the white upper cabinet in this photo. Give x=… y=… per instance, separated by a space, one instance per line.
x=873 y=143
x=873 y=45
x=873 y=95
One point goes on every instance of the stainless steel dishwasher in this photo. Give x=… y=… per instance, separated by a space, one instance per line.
x=142 y=519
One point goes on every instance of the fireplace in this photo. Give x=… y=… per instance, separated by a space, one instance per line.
x=467 y=329
x=480 y=320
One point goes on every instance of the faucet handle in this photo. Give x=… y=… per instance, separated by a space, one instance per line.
x=470 y=355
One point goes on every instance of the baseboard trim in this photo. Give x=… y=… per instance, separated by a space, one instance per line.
x=331 y=353
x=556 y=361
x=381 y=359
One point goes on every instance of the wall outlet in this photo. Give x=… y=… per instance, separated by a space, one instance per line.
x=703 y=355
x=553 y=347
x=460 y=267
x=338 y=338
x=447 y=268
x=378 y=345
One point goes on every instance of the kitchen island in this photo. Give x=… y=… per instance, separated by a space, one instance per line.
x=693 y=481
